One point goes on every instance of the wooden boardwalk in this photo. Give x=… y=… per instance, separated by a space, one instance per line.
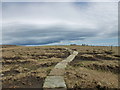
x=55 y=79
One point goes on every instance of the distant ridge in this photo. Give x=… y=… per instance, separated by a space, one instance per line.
x=6 y=46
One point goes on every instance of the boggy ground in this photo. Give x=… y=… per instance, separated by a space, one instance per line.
x=94 y=67
x=27 y=67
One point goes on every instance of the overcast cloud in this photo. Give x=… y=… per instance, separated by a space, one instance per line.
x=60 y=23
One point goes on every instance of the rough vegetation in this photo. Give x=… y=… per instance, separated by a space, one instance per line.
x=27 y=67
x=94 y=67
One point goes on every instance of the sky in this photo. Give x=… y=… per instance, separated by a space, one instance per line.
x=60 y=23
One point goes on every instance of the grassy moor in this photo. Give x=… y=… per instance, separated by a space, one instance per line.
x=27 y=67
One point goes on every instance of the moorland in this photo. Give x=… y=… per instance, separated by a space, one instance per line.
x=28 y=66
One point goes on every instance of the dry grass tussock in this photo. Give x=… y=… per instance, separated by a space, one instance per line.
x=27 y=67
x=94 y=67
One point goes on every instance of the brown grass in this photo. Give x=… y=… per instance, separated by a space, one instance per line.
x=94 y=67
x=27 y=67
x=81 y=77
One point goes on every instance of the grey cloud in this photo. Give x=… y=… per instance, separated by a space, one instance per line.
x=29 y=35
x=46 y=23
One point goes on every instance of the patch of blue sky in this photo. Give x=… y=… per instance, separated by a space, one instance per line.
x=95 y=42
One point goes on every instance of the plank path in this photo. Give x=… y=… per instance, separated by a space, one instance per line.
x=55 y=79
